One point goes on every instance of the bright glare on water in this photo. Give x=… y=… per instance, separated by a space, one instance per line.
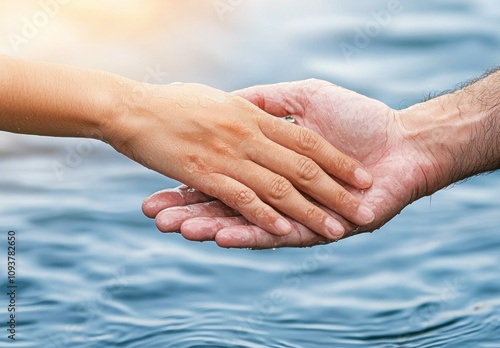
x=94 y=272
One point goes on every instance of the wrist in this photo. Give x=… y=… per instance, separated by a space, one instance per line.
x=427 y=128
x=455 y=138
x=105 y=107
x=124 y=108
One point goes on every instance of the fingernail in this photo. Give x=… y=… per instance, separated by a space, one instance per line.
x=334 y=228
x=366 y=214
x=283 y=226
x=363 y=177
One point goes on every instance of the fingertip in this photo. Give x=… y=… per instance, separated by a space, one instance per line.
x=230 y=238
x=366 y=215
x=159 y=201
x=283 y=226
x=199 y=229
x=148 y=208
x=170 y=220
x=363 y=178
x=334 y=228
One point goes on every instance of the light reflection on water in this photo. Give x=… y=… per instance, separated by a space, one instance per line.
x=94 y=272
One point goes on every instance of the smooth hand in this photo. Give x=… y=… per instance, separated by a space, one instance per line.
x=360 y=127
x=226 y=147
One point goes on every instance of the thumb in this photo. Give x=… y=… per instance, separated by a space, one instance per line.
x=283 y=99
x=276 y=99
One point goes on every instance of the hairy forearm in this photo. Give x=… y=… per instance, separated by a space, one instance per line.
x=459 y=132
x=480 y=102
x=56 y=100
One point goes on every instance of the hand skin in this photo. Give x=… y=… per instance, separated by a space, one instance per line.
x=410 y=153
x=213 y=141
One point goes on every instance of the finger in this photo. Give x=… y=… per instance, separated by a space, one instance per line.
x=173 y=197
x=243 y=234
x=279 y=193
x=254 y=237
x=205 y=228
x=240 y=197
x=312 y=145
x=281 y=99
x=309 y=178
x=171 y=219
x=284 y=99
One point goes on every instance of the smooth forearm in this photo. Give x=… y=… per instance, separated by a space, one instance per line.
x=56 y=100
x=459 y=133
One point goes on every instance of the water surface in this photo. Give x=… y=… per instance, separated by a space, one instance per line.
x=94 y=272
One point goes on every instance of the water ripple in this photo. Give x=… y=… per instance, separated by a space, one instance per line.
x=94 y=272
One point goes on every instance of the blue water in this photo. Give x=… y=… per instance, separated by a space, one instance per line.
x=94 y=272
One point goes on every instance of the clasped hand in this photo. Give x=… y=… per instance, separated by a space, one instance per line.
x=254 y=163
x=357 y=126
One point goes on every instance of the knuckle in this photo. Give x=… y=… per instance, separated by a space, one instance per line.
x=240 y=129
x=308 y=140
x=339 y=162
x=311 y=214
x=242 y=198
x=344 y=198
x=262 y=214
x=195 y=164
x=307 y=169
x=280 y=187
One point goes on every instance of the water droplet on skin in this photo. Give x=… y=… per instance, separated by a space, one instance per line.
x=190 y=190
